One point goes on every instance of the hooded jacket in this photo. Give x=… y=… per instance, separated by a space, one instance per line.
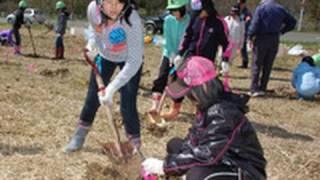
x=203 y=36
x=306 y=80
x=6 y=37
x=221 y=134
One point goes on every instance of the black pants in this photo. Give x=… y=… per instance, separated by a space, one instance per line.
x=244 y=54
x=264 y=53
x=17 y=36
x=164 y=74
x=215 y=172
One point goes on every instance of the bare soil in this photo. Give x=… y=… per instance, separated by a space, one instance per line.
x=41 y=99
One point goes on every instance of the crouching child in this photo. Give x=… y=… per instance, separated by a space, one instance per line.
x=306 y=79
x=6 y=37
x=222 y=143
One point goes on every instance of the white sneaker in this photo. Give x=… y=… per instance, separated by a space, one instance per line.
x=256 y=93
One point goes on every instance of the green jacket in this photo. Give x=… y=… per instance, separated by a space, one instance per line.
x=173 y=31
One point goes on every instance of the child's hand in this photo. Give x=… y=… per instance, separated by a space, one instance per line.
x=225 y=67
x=250 y=44
x=177 y=61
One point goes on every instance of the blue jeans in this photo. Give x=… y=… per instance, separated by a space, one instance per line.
x=59 y=41
x=128 y=98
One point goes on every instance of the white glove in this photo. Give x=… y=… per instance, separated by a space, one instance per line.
x=153 y=166
x=224 y=67
x=177 y=61
x=106 y=96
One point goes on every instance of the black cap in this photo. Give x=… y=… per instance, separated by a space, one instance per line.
x=308 y=60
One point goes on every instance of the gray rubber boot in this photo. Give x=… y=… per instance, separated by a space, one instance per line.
x=77 y=140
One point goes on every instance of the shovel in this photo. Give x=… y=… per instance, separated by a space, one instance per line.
x=108 y=108
x=155 y=118
x=32 y=43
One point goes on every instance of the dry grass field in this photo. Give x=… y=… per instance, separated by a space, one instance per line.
x=41 y=99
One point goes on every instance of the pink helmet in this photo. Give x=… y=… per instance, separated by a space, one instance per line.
x=195 y=71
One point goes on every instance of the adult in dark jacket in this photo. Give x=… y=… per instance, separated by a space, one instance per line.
x=221 y=144
x=269 y=22
x=60 y=29
x=245 y=16
x=19 y=20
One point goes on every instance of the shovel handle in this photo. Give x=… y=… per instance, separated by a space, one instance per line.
x=163 y=97
x=101 y=86
x=94 y=67
x=32 y=42
x=114 y=130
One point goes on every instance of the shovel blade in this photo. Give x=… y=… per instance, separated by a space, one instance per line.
x=111 y=148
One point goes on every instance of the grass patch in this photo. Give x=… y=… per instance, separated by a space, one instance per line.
x=306 y=45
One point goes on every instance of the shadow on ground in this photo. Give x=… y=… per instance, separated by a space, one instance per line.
x=272 y=131
x=281 y=69
x=275 y=131
x=7 y=150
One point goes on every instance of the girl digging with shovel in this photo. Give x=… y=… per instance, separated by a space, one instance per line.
x=115 y=34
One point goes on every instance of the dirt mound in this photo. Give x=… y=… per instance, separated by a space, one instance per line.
x=156 y=130
x=122 y=170
x=313 y=168
x=285 y=91
x=95 y=171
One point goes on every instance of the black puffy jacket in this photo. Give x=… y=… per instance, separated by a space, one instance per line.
x=221 y=134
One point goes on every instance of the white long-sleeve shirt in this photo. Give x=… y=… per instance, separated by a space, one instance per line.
x=236 y=33
x=118 y=42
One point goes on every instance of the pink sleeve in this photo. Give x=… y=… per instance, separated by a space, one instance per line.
x=228 y=52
